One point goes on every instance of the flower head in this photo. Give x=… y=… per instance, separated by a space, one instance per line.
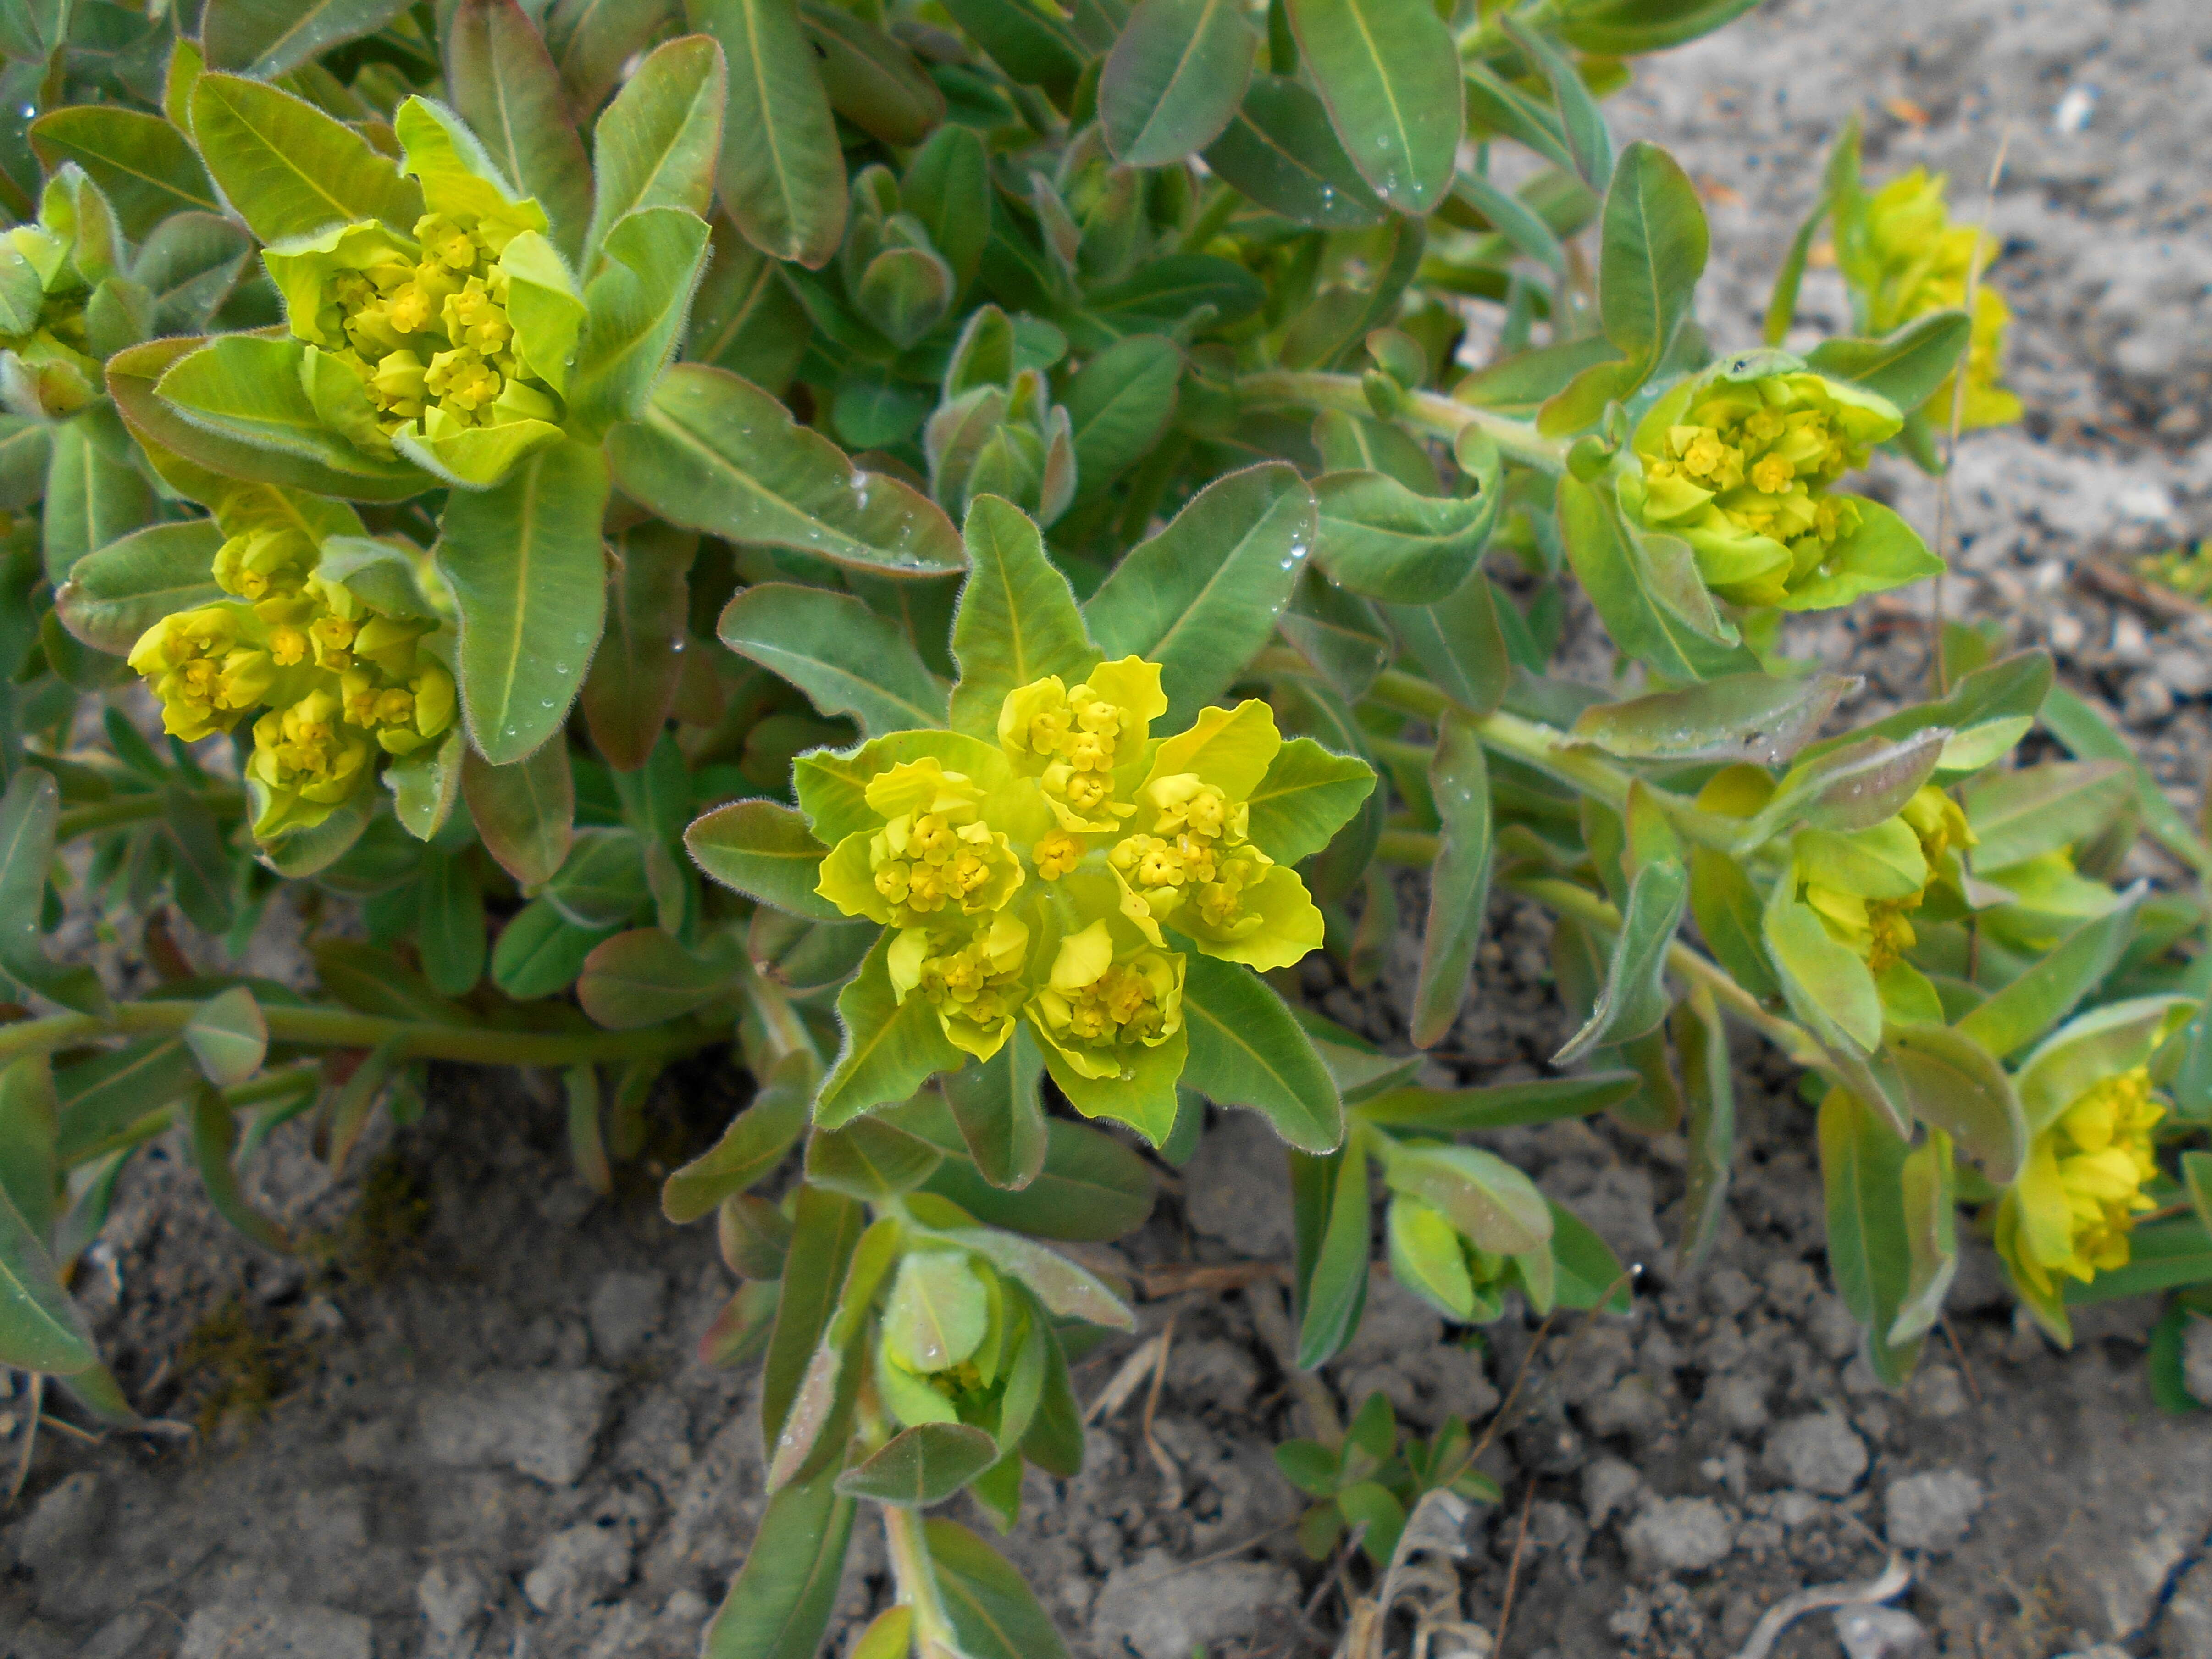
x=970 y=971
x=2080 y=1194
x=1104 y=998
x=1742 y=469
x=1913 y=261
x=1865 y=884
x=934 y=859
x=305 y=761
x=1081 y=743
x=207 y=666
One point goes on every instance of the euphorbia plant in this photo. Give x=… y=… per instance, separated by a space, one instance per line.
x=1055 y=591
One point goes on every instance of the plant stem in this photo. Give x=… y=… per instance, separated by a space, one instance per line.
x=1518 y=440
x=415 y=1040
x=136 y=809
x=917 y=1581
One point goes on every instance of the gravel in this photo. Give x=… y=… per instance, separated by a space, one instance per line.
x=1932 y=1511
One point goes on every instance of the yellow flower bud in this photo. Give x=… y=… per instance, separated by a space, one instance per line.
x=2081 y=1191
x=1099 y=1004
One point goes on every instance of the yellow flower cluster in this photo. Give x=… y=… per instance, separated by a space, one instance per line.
x=993 y=865
x=424 y=324
x=1920 y=262
x=2080 y=1195
x=1743 y=469
x=1865 y=884
x=345 y=682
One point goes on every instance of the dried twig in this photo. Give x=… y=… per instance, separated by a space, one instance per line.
x=1895 y=1578
x=1170 y=1471
x=1513 y=1568
x=1959 y=1352
x=1213 y=1556
x=1124 y=1382
x=1175 y=1277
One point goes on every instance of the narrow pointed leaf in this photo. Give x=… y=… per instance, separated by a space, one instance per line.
x=656 y=145
x=42 y=1329
x=145 y=166
x=1174 y=79
x=779 y=1605
x=1246 y=1050
x=529 y=578
x=921 y=1465
x=1017 y=620
x=1202 y=596
x=1744 y=718
x=1635 y=999
x=1389 y=71
x=502 y=80
x=272 y=38
x=525 y=812
x=993 y=1609
x=782 y=177
x=715 y=453
x=749 y=1149
x=634 y=673
x=289 y=169
x=1000 y=1113
x=1459 y=883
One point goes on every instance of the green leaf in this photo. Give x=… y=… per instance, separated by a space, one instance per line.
x=1388 y=72
x=1161 y=296
x=636 y=306
x=1709 y=1081
x=595 y=40
x=450 y=923
x=1459 y=644
x=781 y=178
x=1616 y=573
x=1870 y=1254
x=425 y=784
x=779 y=1605
x=602 y=882
x=1119 y=403
x=529 y=578
x=541 y=951
x=1497 y=1106
x=1000 y=1113
x=2019 y=1013
x=645 y=977
x=891 y=1048
x=287 y=168
x=1459 y=885
x=634 y=673
x=1851 y=788
x=1929 y=1192
x=1333 y=1287
x=1092 y=1187
x=938 y=1313
x=2026 y=813
x=844 y=657
x=1652 y=251
x=749 y=1149
x=1307 y=795
x=1066 y=1289
x=1493 y=1203
x=271 y=37
x=1905 y=367
x=1174 y=80
x=104 y=1094
x=871 y=79
x=228 y=1037
x=1635 y=1000
x=870 y=1160
x=948 y=188
x=657 y=143
x=113 y=595
x=1756 y=718
x=502 y=80
x=994 y=1611
x=525 y=811
x=247 y=389
x=2089 y=736
x=826 y=1229
x=764 y=850
x=1201 y=597
x=1280 y=150
x=2163 y=1255
x=42 y=1329
x=1017 y=620
x=1955 y=1084
x=94 y=495
x=1380 y=539
x=205 y=441
x=921 y=1465
x=145 y=166
x=30 y=1171
x=1246 y=1050
x=1581 y=124
x=28 y=813
x=188 y=265
x=1343 y=636
x=1625 y=29
x=1514 y=219
x=212 y=1141
x=1033 y=47
x=716 y=454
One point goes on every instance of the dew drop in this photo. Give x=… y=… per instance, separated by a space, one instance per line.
x=560 y=667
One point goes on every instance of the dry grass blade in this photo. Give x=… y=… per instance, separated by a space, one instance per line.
x=1143 y=1358
x=1893 y=1583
